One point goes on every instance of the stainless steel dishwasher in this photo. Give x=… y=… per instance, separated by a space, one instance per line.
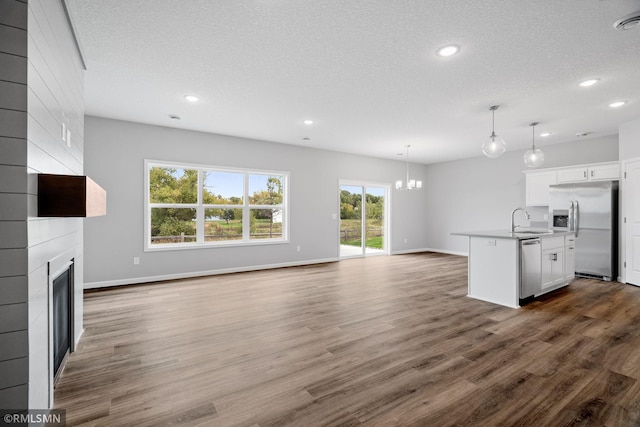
x=530 y=267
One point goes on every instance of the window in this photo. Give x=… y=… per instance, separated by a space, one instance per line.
x=193 y=206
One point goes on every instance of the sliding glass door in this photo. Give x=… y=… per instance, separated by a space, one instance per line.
x=363 y=219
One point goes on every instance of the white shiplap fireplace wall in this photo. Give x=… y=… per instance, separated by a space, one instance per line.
x=42 y=86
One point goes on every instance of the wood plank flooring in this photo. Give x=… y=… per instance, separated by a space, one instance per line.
x=379 y=341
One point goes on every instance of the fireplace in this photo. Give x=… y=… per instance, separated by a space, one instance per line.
x=62 y=318
x=61 y=314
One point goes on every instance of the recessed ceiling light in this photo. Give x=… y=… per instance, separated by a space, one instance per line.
x=448 y=50
x=308 y=122
x=545 y=134
x=617 y=104
x=582 y=134
x=192 y=98
x=589 y=82
x=174 y=116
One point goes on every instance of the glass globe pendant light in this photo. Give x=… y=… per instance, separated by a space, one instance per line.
x=495 y=146
x=534 y=157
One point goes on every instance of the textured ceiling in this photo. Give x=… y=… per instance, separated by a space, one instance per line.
x=364 y=70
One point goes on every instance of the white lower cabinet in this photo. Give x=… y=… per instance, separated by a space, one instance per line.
x=554 y=257
x=570 y=258
x=552 y=268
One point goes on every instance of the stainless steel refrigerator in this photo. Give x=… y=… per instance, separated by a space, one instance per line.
x=590 y=209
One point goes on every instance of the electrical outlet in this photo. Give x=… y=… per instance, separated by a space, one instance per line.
x=136 y=260
x=405 y=240
x=545 y=217
x=491 y=242
x=299 y=249
x=334 y=216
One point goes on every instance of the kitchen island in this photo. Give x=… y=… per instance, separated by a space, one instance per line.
x=499 y=273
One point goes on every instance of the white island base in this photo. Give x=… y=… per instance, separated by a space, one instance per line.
x=494 y=273
x=495 y=263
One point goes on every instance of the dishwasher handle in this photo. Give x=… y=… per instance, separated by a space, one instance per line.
x=530 y=242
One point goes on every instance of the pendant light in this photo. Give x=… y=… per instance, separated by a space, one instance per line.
x=412 y=184
x=534 y=157
x=495 y=146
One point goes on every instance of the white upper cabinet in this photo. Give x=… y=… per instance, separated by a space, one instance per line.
x=602 y=172
x=537 y=182
x=606 y=172
x=573 y=175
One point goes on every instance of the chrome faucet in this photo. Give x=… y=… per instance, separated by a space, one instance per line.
x=513 y=225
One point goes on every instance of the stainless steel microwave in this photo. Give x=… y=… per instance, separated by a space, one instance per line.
x=560 y=219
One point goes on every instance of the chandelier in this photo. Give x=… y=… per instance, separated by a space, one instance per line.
x=412 y=184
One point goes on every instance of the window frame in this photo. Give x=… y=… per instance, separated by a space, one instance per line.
x=200 y=208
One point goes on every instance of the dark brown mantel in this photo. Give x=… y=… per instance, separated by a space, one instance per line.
x=70 y=196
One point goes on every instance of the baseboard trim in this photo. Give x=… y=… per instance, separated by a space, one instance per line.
x=78 y=340
x=187 y=275
x=410 y=251
x=442 y=251
x=160 y=278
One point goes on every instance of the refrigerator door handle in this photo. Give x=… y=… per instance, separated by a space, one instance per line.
x=571 y=224
x=576 y=217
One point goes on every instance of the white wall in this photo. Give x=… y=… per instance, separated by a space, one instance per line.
x=630 y=139
x=463 y=195
x=629 y=149
x=114 y=156
x=480 y=193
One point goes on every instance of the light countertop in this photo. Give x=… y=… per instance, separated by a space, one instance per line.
x=520 y=233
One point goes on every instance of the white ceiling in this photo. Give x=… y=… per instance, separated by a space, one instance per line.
x=364 y=70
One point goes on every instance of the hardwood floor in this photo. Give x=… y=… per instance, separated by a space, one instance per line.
x=379 y=341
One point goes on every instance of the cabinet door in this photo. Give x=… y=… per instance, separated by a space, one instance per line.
x=537 y=187
x=606 y=172
x=570 y=263
x=547 y=267
x=557 y=267
x=573 y=175
x=552 y=267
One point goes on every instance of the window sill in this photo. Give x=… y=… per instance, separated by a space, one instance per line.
x=216 y=245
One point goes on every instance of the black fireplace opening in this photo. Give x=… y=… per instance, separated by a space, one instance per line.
x=62 y=318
